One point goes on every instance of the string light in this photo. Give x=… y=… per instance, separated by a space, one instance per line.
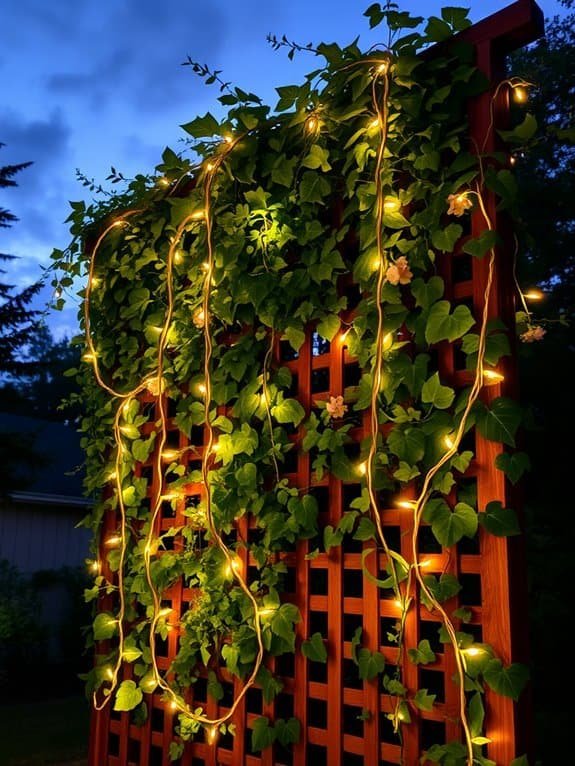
x=472 y=651
x=95 y=567
x=109 y=673
x=406 y=505
x=89 y=357
x=163 y=181
x=179 y=257
x=374 y=123
x=492 y=377
x=312 y=124
x=170 y=454
x=228 y=139
x=391 y=205
x=448 y=441
x=342 y=337
x=209 y=166
x=212 y=735
x=202 y=388
x=199 y=215
x=520 y=94
x=362 y=468
x=205 y=266
x=534 y=294
x=113 y=540
x=233 y=567
x=267 y=611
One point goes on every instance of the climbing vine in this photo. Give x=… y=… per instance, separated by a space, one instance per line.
x=197 y=278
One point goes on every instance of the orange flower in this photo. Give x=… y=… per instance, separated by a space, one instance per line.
x=399 y=272
x=335 y=407
x=533 y=334
x=458 y=204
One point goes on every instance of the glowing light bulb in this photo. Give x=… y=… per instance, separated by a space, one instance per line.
x=113 y=540
x=406 y=505
x=202 y=388
x=512 y=160
x=266 y=611
x=211 y=735
x=492 y=377
x=121 y=223
x=362 y=468
x=205 y=266
x=95 y=567
x=448 y=441
x=109 y=673
x=88 y=357
x=199 y=215
x=383 y=68
x=170 y=454
x=425 y=563
x=216 y=447
x=473 y=651
x=228 y=139
x=374 y=123
x=112 y=476
x=95 y=282
x=376 y=263
x=163 y=181
x=210 y=166
x=178 y=257
x=398 y=603
x=387 y=341
x=520 y=94
x=391 y=204
x=173 y=706
x=233 y=567
x=341 y=338
x=534 y=295
x=58 y=292
x=311 y=124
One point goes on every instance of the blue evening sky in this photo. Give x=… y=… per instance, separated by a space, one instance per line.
x=93 y=84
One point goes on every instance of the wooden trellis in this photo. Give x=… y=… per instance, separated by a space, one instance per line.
x=330 y=591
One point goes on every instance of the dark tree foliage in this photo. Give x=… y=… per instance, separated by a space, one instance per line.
x=17 y=319
x=547 y=200
x=40 y=391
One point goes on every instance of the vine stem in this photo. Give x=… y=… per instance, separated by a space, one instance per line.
x=382 y=115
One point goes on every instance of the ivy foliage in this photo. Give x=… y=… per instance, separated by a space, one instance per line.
x=293 y=207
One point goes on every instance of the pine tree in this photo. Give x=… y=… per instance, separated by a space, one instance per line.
x=17 y=319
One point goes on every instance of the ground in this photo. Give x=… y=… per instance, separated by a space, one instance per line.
x=53 y=732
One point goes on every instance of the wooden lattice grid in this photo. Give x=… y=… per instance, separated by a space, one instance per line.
x=330 y=590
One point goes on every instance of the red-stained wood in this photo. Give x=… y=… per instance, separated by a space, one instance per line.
x=498 y=563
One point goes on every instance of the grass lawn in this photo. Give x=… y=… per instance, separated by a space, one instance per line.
x=42 y=733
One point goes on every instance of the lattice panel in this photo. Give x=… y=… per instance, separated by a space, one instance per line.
x=330 y=590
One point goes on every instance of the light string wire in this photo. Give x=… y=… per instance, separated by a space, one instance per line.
x=512 y=82
x=382 y=110
x=419 y=504
x=426 y=491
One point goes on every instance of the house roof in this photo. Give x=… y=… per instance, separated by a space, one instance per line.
x=56 y=472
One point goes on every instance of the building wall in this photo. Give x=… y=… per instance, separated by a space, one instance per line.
x=34 y=538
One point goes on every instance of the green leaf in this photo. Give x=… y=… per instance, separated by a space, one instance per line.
x=215 y=689
x=434 y=393
x=295 y=336
x=445 y=239
x=329 y=326
x=355 y=642
x=317 y=158
x=456 y=17
x=105 y=626
x=500 y=521
x=522 y=132
x=437 y=30
x=128 y=696
x=500 y=422
x=423 y=655
x=441 y=325
x=513 y=465
x=427 y=293
x=423 y=700
x=508 y=681
x=263 y=735
x=313 y=187
x=476 y=714
x=247 y=475
x=445 y=588
x=287 y=732
x=331 y=537
x=478 y=246
x=288 y=411
x=202 y=127
x=282 y=622
x=450 y=526
x=365 y=530
x=521 y=761
x=314 y=648
x=370 y=664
